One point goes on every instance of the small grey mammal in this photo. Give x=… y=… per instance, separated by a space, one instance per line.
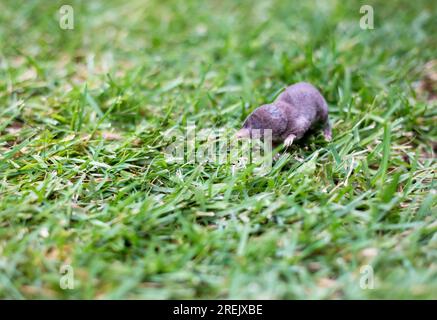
x=296 y=110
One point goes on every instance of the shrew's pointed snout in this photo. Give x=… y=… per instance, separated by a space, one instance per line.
x=242 y=134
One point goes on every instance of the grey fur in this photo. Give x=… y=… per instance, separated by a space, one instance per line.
x=296 y=110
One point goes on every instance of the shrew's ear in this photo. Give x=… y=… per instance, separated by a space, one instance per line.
x=242 y=133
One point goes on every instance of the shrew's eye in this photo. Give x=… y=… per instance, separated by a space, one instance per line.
x=275 y=112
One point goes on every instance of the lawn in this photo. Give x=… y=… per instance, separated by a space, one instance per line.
x=89 y=199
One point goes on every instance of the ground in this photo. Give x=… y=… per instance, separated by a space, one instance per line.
x=90 y=207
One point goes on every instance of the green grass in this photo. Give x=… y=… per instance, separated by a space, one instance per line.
x=133 y=225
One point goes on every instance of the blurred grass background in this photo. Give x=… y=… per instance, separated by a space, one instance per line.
x=83 y=180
